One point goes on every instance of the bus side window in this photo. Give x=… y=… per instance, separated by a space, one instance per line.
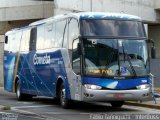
x=25 y=41
x=49 y=35
x=65 y=37
x=75 y=57
x=33 y=39
x=73 y=33
x=11 y=38
x=14 y=43
x=39 y=43
x=60 y=25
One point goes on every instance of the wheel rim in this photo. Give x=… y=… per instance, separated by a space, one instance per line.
x=18 y=91
x=63 y=96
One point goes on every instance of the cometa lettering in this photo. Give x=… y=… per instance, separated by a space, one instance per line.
x=41 y=60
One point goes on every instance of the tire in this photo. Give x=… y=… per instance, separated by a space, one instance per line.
x=20 y=96
x=64 y=102
x=117 y=104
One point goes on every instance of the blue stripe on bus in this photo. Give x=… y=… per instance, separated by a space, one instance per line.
x=115 y=84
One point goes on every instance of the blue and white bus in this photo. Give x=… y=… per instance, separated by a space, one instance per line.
x=84 y=56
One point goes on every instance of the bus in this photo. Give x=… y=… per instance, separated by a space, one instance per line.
x=85 y=56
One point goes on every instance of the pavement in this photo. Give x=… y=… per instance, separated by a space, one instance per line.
x=153 y=103
x=147 y=104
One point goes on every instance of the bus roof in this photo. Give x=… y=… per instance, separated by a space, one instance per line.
x=89 y=15
x=80 y=15
x=15 y=30
x=103 y=15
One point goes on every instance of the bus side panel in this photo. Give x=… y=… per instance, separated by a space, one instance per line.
x=39 y=77
x=9 y=69
x=43 y=76
x=28 y=85
x=47 y=73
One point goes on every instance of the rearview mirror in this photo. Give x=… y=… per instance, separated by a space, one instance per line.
x=153 y=52
x=153 y=49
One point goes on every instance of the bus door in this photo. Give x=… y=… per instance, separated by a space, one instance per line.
x=76 y=78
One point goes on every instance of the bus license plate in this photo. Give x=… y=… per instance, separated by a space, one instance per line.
x=119 y=95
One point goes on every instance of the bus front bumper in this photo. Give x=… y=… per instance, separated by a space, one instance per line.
x=116 y=95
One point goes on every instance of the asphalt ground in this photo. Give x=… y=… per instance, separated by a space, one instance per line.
x=42 y=108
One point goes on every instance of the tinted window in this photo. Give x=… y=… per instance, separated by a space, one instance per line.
x=92 y=27
x=33 y=39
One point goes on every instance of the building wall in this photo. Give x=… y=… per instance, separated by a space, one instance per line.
x=18 y=13
x=154 y=33
x=24 y=9
x=157 y=4
x=8 y=25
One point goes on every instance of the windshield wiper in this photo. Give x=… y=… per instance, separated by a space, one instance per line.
x=128 y=59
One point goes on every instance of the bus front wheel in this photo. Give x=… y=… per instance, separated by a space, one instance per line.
x=62 y=94
x=117 y=104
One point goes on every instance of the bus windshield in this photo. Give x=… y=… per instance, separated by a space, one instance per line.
x=115 y=57
x=121 y=28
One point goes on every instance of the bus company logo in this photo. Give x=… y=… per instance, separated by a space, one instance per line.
x=41 y=60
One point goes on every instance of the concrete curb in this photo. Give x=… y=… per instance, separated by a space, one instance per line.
x=154 y=106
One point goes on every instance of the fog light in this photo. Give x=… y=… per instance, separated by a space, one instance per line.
x=86 y=94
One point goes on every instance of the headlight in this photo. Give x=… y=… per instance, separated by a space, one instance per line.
x=93 y=87
x=145 y=86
